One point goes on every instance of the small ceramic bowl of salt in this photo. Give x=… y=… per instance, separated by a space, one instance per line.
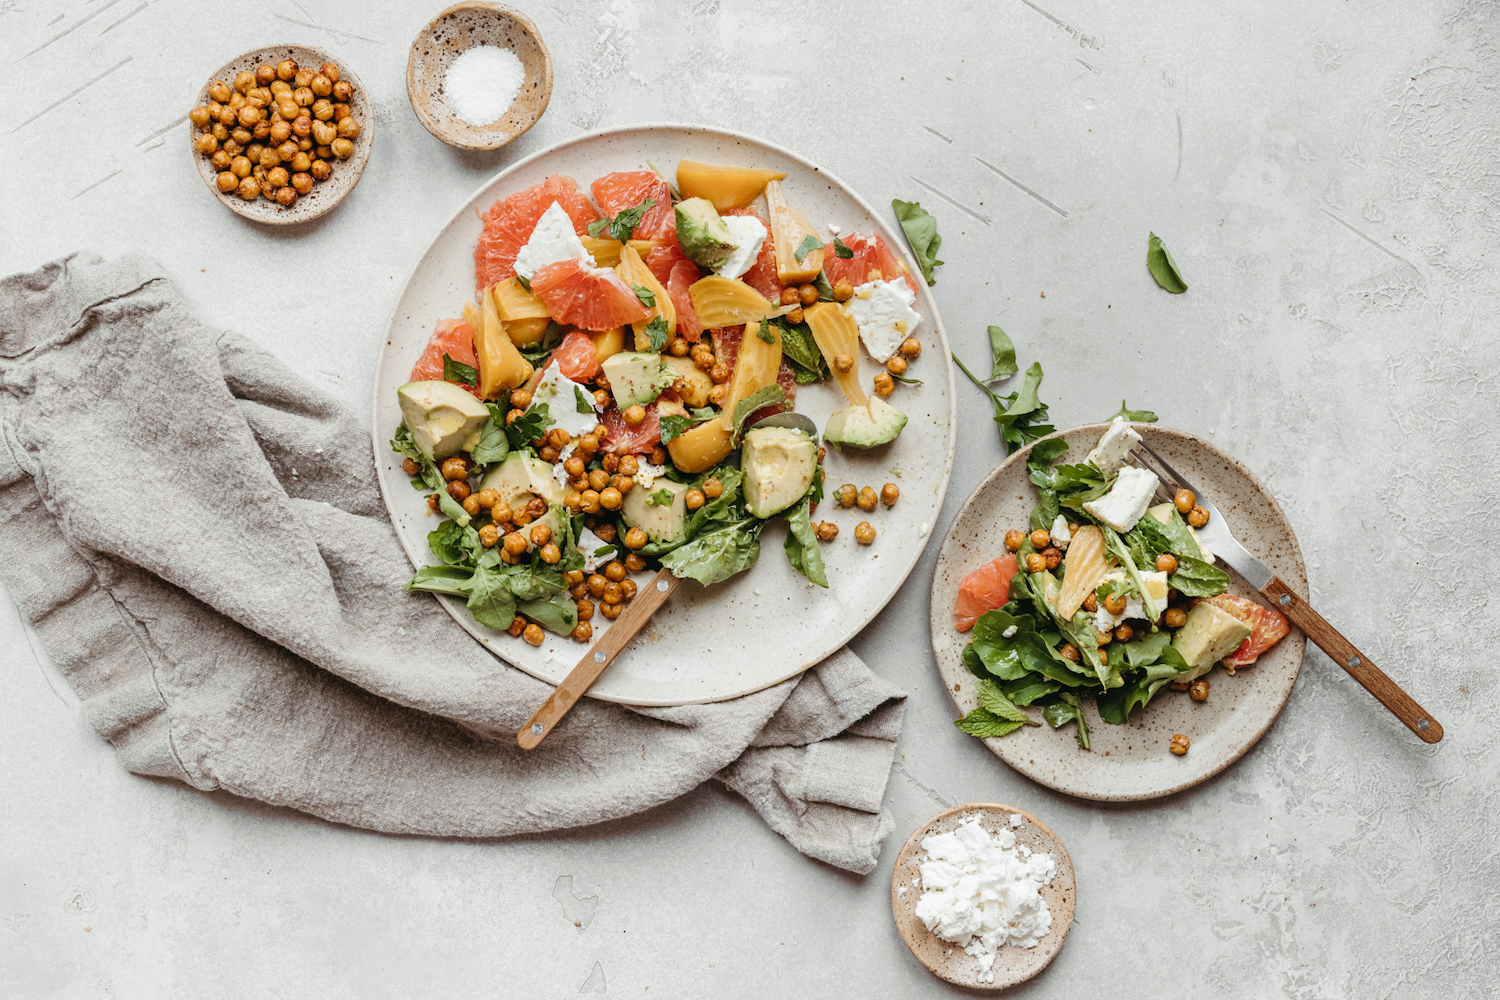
x=478 y=76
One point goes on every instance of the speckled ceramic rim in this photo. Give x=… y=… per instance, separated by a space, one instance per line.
x=479 y=137
x=1061 y=895
x=325 y=194
x=942 y=616
x=380 y=441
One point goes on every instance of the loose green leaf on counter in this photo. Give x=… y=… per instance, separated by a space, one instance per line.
x=808 y=245
x=1135 y=416
x=921 y=232
x=1162 y=267
x=985 y=724
x=1018 y=414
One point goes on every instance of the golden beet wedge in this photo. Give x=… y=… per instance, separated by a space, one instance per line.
x=725 y=187
x=789 y=231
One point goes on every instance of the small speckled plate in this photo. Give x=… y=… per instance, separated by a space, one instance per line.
x=346 y=173
x=448 y=36
x=1131 y=761
x=1012 y=964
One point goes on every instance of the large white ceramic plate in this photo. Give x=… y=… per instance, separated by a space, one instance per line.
x=1131 y=761
x=769 y=623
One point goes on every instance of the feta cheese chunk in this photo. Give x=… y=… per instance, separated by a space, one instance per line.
x=1113 y=449
x=1156 y=587
x=1127 y=500
x=883 y=312
x=749 y=232
x=566 y=402
x=647 y=474
x=552 y=240
x=1061 y=536
x=590 y=543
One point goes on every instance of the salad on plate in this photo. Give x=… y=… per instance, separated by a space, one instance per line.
x=596 y=411
x=1106 y=594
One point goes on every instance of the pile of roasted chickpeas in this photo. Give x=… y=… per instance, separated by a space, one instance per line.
x=866 y=499
x=274 y=133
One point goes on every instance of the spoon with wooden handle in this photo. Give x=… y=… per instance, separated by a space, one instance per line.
x=600 y=655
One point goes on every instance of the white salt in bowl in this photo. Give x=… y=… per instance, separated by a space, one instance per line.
x=449 y=35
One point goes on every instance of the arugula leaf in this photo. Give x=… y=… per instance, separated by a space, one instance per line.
x=1068 y=708
x=802 y=545
x=770 y=395
x=821 y=283
x=597 y=227
x=764 y=331
x=528 y=426
x=428 y=478
x=1196 y=578
x=646 y=295
x=840 y=249
x=490 y=599
x=1024 y=653
x=493 y=444
x=1027 y=690
x=622 y=226
x=1117 y=545
x=557 y=613
x=1137 y=416
x=581 y=401
x=921 y=232
x=992 y=699
x=902 y=378
x=457 y=371
x=1039 y=462
x=716 y=555
x=808 y=245
x=1162 y=267
x=986 y=725
x=1002 y=355
x=1017 y=413
x=673 y=426
x=661 y=498
x=658 y=332
x=1147 y=650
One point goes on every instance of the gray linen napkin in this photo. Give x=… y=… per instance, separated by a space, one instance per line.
x=196 y=534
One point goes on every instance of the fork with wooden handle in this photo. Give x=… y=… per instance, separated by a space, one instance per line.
x=600 y=655
x=1223 y=544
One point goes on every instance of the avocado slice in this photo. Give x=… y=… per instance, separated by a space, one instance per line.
x=865 y=426
x=636 y=377
x=440 y=416
x=1209 y=634
x=702 y=233
x=779 y=464
x=520 y=477
x=662 y=522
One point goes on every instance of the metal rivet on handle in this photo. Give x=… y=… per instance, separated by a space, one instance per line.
x=1422 y=725
x=1285 y=599
x=537 y=729
x=1353 y=661
x=661 y=585
x=598 y=657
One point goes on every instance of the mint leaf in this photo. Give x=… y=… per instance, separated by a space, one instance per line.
x=582 y=401
x=1162 y=267
x=841 y=249
x=646 y=295
x=457 y=371
x=808 y=245
x=674 y=426
x=1136 y=416
x=764 y=332
x=992 y=700
x=986 y=725
x=528 y=426
x=597 y=227
x=921 y=233
x=622 y=226
x=657 y=331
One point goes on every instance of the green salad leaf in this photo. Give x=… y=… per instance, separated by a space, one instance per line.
x=539 y=353
x=528 y=426
x=661 y=498
x=764 y=331
x=674 y=426
x=622 y=226
x=716 y=555
x=808 y=245
x=493 y=444
x=1162 y=267
x=556 y=613
x=802 y=545
x=658 y=332
x=428 y=478
x=993 y=700
x=985 y=724
x=822 y=284
x=921 y=233
x=1067 y=708
x=457 y=371
x=799 y=347
x=597 y=228
x=646 y=295
x=770 y=395
x=1196 y=578
x=841 y=249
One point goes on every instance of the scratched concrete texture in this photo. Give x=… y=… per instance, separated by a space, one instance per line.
x=1327 y=176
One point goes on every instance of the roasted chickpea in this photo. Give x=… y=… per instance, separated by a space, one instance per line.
x=1197 y=517
x=864 y=533
x=843 y=290
x=341 y=110
x=322 y=110
x=278 y=176
x=248 y=116
x=610 y=498
x=796 y=316
x=515 y=543
x=454 y=468
x=320 y=85
x=611 y=463
x=320 y=170
x=588 y=501
x=719 y=373
x=588 y=445
x=613 y=593
x=712 y=488
x=303 y=96
x=244 y=80
x=521 y=517
x=288 y=110
x=579 y=591
x=489 y=535
x=634 y=415
x=1014 y=540
x=219 y=91
x=1040 y=539
x=279 y=132
x=789 y=296
x=1035 y=562
x=499 y=510
x=269 y=157
x=1091 y=603
x=551 y=554
x=1115 y=603
x=249 y=188
x=614 y=571
x=323 y=132
x=627 y=589
x=471 y=505
x=536 y=507
x=1166 y=563
x=1199 y=690
x=488 y=498
x=704 y=362
x=896 y=365
x=612 y=611
x=348 y=129
x=329 y=70
x=1053 y=556
x=1103 y=638
x=1124 y=633
x=807 y=294
x=226 y=182
x=558 y=438
x=866 y=499
x=206 y=143
x=583 y=631
x=1184 y=500
x=717 y=394
x=598 y=479
x=843 y=364
x=635 y=538
x=1103 y=656
x=634 y=563
x=286 y=69
x=433 y=504
x=287 y=150
x=517 y=626
x=1174 y=618
x=541 y=535
x=678 y=347
x=573 y=501
x=827 y=531
x=343 y=91
x=240 y=166
x=884 y=384
x=846 y=495
x=1180 y=744
x=533 y=634
x=607 y=531
x=342 y=148
x=548 y=453
x=459 y=490
x=1179 y=685
x=1068 y=651
x=910 y=348
x=302 y=183
x=628 y=465
x=597 y=583
x=585 y=609
x=200 y=116
x=410 y=467
x=228 y=115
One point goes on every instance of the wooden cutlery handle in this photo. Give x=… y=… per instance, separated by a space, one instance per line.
x=600 y=655
x=1355 y=663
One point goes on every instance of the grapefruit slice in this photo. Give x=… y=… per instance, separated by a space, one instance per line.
x=683 y=274
x=762 y=274
x=619 y=191
x=985 y=589
x=576 y=356
x=622 y=439
x=1267 y=628
x=452 y=337
x=664 y=256
x=872 y=261
x=509 y=221
x=594 y=298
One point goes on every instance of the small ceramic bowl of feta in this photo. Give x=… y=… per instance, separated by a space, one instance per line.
x=479 y=75
x=967 y=855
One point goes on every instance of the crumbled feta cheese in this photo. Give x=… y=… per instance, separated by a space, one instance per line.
x=1126 y=501
x=552 y=240
x=1009 y=632
x=1017 y=821
x=1113 y=449
x=883 y=312
x=834 y=229
x=1106 y=622
x=561 y=394
x=983 y=892
x=646 y=474
x=559 y=473
x=590 y=543
x=1156 y=586
x=1061 y=536
x=749 y=232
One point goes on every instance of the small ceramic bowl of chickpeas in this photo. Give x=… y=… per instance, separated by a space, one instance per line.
x=281 y=134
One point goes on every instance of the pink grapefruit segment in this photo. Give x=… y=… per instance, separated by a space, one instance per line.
x=509 y=221
x=872 y=261
x=620 y=191
x=452 y=337
x=985 y=589
x=594 y=298
x=1267 y=628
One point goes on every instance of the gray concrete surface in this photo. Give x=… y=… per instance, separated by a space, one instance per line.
x=1327 y=176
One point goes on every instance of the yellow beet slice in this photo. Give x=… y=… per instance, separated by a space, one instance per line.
x=836 y=333
x=707 y=444
x=607 y=343
x=1083 y=569
x=725 y=187
x=789 y=228
x=606 y=252
x=500 y=364
x=512 y=301
x=721 y=301
x=635 y=273
x=525 y=332
x=643 y=247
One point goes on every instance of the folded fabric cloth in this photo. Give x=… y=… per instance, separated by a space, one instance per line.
x=196 y=533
